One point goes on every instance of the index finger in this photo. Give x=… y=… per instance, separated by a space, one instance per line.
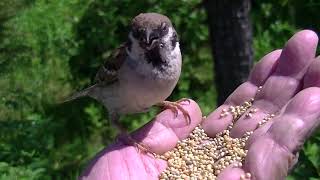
x=261 y=71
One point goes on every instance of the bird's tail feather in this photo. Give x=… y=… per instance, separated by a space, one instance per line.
x=82 y=93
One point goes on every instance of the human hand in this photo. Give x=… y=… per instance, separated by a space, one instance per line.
x=290 y=81
x=120 y=161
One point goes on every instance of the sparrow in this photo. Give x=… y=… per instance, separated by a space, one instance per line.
x=140 y=73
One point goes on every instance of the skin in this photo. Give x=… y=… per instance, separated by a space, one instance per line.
x=291 y=89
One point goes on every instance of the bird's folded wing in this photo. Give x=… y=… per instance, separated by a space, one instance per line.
x=108 y=72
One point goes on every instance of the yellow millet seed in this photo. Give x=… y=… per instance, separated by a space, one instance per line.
x=242 y=177
x=265 y=120
x=203 y=157
x=248 y=175
x=195 y=159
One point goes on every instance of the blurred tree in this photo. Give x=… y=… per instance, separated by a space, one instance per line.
x=231 y=40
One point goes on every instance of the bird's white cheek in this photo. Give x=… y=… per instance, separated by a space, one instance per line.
x=136 y=51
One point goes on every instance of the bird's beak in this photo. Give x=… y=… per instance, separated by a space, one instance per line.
x=151 y=42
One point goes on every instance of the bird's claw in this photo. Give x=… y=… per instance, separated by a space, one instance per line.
x=183 y=100
x=175 y=106
x=129 y=140
x=141 y=148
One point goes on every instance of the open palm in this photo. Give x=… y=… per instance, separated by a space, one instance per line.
x=290 y=80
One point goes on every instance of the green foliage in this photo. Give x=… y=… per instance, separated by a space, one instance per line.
x=49 y=49
x=274 y=22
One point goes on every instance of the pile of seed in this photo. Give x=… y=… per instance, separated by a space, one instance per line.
x=202 y=157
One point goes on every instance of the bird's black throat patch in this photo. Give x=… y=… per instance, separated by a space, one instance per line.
x=129 y=44
x=153 y=56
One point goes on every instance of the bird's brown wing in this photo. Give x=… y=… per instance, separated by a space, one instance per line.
x=108 y=72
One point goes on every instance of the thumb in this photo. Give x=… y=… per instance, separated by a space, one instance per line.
x=163 y=132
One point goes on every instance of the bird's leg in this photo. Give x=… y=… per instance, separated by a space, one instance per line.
x=175 y=106
x=124 y=136
x=183 y=99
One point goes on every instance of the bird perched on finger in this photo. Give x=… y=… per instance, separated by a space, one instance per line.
x=142 y=72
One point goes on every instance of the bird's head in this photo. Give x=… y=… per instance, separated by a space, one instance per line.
x=152 y=30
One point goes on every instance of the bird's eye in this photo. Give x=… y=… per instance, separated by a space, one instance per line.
x=138 y=33
x=135 y=33
x=141 y=30
x=141 y=33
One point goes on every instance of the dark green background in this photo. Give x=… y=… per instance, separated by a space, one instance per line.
x=49 y=49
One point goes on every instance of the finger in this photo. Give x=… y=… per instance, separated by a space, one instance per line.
x=119 y=161
x=231 y=173
x=312 y=77
x=165 y=130
x=297 y=54
x=298 y=120
x=257 y=133
x=274 y=151
x=284 y=83
x=264 y=68
x=267 y=160
x=259 y=74
x=261 y=71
